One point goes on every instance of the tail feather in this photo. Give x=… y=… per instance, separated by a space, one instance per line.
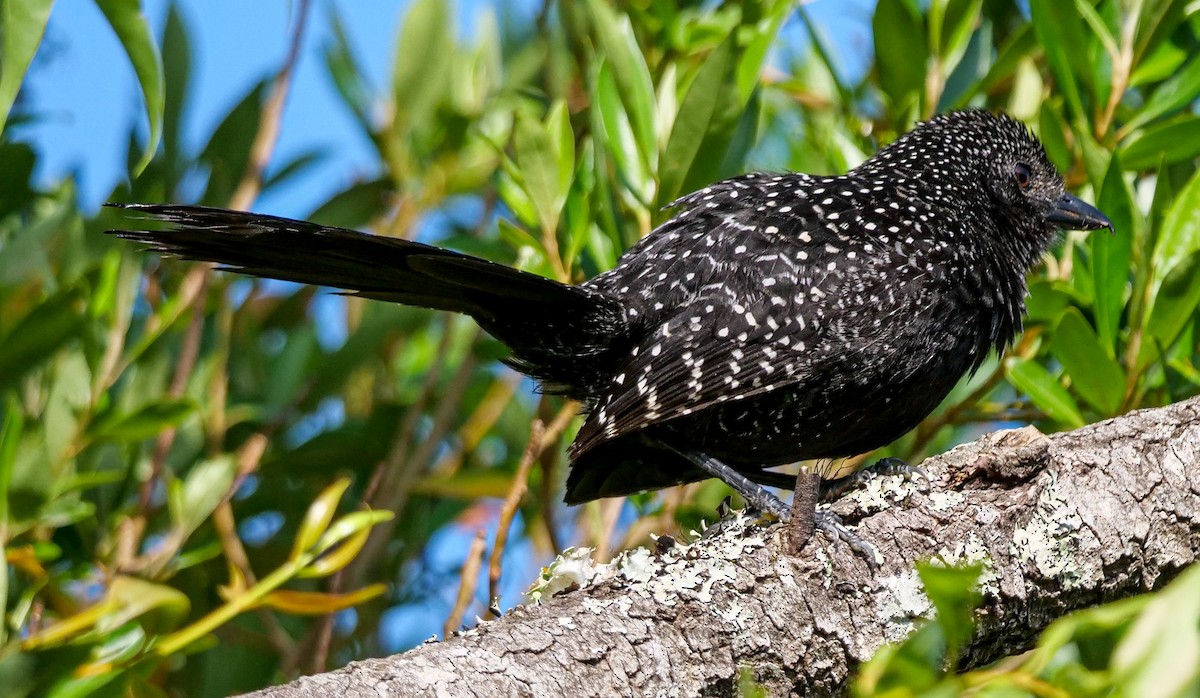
x=549 y=326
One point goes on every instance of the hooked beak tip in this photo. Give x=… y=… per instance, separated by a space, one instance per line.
x=1073 y=213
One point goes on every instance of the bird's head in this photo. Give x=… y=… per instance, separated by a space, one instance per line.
x=990 y=162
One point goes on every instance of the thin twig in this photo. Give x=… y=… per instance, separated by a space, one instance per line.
x=130 y=530
x=520 y=484
x=249 y=457
x=272 y=116
x=466 y=587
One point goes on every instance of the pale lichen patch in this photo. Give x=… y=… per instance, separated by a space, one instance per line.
x=682 y=568
x=574 y=568
x=902 y=601
x=882 y=491
x=943 y=500
x=1050 y=540
x=972 y=552
x=637 y=565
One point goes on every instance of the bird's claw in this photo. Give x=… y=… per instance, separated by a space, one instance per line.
x=895 y=466
x=833 y=489
x=831 y=525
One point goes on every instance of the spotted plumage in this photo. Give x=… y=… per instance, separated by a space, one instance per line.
x=774 y=318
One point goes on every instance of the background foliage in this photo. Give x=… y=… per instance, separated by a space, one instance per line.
x=198 y=484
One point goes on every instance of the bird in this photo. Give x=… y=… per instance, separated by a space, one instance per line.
x=774 y=318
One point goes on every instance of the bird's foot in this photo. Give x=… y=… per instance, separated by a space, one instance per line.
x=831 y=525
x=757 y=497
x=833 y=489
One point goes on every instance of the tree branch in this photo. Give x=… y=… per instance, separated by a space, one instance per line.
x=1061 y=522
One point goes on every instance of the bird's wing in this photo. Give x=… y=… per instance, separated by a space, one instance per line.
x=715 y=353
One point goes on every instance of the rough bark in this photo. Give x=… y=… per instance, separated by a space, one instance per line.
x=1060 y=522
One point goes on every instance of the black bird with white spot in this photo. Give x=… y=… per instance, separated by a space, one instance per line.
x=776 y=318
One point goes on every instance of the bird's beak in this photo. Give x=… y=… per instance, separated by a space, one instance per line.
x=1073 y=214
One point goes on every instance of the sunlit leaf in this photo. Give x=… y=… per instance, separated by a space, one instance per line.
x=1030 y=378
x=632 y=76
x=147 y=422
x=1160 y=656
x=705 y=110
x=1180 y=234
x=1095 y=375
x=131 y=27
x=317 y=518
x=312 y=603
x=1173 y=142
x=1111 y=255
x=1175 y=304
x=21 y=27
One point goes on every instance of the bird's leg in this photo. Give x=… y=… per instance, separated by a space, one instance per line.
x=833 y=489
x=803 y=518
x=804 y=510
x=755 y=495
x=807 y=518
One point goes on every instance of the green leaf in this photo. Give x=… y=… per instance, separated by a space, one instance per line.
x=901 y=50
x=1176 y=303
x=1095 y=375
x=467 y=485
x=1178 y=141
x=765 y=30
x=177 y=64
x=545 y=157
x=1052 y=131
x=1061 y=33
x=955 y=23
x=421 y=68
x=131 y=27
x=11 y=428
x=1111 y=252
x=318 y=517
x=205 y=486
x=346 y=73
x=1160 y=655
x=619 y=140
x=22 y=24
x=1178 y=91
x=705 y=109
x=1157 y=20
x=356 y=206
x=1047 y=300
x=1103 y=623
x=632 y=75
x=1179 y=236
x=38 y=336
x=953 y=593
x=1043 y=389
x=911 y=668
x=147 y=422
x=1012 y=52
x=227 y=152
x=157 y=607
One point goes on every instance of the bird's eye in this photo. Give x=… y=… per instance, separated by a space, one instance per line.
x=1023 y=176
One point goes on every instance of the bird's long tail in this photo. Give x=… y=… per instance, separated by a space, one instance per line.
x=550 y=327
